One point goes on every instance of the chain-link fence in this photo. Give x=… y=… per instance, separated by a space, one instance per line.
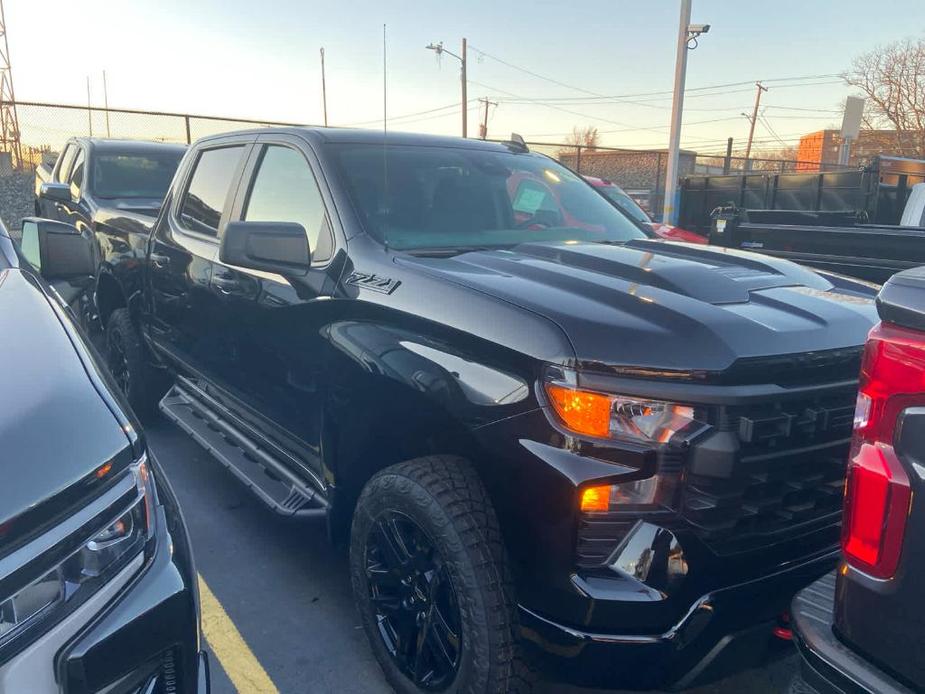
x=44 y=128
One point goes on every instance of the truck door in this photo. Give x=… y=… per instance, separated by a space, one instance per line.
x=181 y=322
x=272 y=331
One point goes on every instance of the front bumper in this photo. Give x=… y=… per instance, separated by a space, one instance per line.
x=827 y=665
x=724 y=631
x=147 y=638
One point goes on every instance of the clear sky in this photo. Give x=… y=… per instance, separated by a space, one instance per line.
x=260 y=59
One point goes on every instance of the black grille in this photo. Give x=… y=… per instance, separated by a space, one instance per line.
x=787 y=477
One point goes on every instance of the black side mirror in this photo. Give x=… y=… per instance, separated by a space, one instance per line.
x=280 y=247
x=59 y=192
x=56 y=250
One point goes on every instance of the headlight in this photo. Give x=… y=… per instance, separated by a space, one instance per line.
x=640 y=422
x=80 y=574
x=616 y=416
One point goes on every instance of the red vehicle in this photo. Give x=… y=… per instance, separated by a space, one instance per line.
x=618 y=197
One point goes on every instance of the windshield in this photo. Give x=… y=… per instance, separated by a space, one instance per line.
x=134 y=175
x=625 y=203
x=425 y=197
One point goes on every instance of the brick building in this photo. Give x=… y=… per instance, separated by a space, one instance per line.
x=822 y=146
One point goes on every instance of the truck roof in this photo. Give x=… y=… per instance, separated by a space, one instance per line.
x=104 y=144
x=357 y=136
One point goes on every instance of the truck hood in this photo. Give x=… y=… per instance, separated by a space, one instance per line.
x=55 y=429
x=655 y=305
x=149 y=207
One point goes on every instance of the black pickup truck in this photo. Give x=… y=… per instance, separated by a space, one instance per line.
x=114 y=186
x=538 y=428
x=860 y=630
x=98 y=592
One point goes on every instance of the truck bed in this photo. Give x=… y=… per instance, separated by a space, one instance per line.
x=870 y=252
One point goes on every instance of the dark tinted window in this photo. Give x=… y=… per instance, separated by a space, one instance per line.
x=134 y=175
x=204 y=199
x=427 y=197
x=285 y=190
x=76 y=179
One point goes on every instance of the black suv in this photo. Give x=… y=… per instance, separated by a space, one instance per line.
x=97 y=586
x=540 y=428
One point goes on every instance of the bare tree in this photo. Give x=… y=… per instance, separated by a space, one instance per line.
x=892 y=78
x=586 y=137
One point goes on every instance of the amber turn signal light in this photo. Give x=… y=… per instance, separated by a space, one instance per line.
x=595 y=498
x=581 y=411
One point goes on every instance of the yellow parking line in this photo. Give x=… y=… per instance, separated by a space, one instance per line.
x=237 y=659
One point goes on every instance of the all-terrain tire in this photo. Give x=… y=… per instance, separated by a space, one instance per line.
x=445 y=498
x=128 y=362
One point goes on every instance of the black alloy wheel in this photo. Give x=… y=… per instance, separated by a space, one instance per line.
x=415 y=604
x=431 y=581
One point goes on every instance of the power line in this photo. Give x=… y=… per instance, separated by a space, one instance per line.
x=410 y=115
x=770 y=129
x=599 y=95
x=559 y=108
x=531 y=73
x=643 y=102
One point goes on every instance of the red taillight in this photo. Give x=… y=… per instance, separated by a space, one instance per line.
x=877 y=493
x=876 y=504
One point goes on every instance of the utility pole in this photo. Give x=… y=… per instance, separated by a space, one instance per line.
x=9 y=121
x=106 y=103
x=439 y=49
x=89 y=110
x=753 y=119
x=385 y=85
x=687 y=39
x=483 y=128
x=727 y=161
x=324 y=92
x=465 y=99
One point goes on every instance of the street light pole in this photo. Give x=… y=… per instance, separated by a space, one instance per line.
x=687 y=40
x=669 y=214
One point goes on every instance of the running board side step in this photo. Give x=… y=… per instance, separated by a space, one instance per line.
x=260 y=472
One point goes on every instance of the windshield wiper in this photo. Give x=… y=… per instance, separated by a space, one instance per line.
x=449 y=251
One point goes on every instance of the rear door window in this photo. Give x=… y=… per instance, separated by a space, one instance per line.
x=204 y=200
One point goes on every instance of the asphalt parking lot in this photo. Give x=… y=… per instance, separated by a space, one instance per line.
x=283 y=617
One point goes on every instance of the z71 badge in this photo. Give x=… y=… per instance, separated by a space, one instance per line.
x=377 y=283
